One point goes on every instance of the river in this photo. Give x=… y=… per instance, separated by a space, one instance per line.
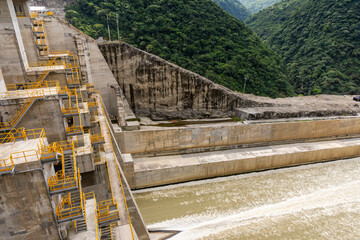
x=317 y=201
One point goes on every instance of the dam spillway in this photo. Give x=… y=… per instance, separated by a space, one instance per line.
x=318 y=201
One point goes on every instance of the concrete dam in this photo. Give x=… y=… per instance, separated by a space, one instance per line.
x=86 y=126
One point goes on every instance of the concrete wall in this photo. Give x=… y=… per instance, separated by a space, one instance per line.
x=163 y=176
x=25 y=208
x=9 y=53
x=97 y=182
x=156 y=88
x=38 y=117
x=195 y=139
x=134 y=212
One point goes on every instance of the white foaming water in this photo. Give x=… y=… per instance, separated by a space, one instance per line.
x=202 y=226
x=319 y=201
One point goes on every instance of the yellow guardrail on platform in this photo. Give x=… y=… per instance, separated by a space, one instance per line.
x=67 y=207
x=8 y=164
x=30 y=85
x=63 y=52
x=97 y=138
x=33 y=15
x=70 y=110
x=20 y=14
x=31 y=96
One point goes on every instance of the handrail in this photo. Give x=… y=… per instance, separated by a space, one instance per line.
x=70 y=110
x=121 y=184
x=21 y=133
x=32 y=95
x=47 y=63
x=25 y=86
x=61 y=180
x=63 y=52
x=97 y=138
x=58 y=183
x=107 y=229
x=63 y=213
x=74 y=129
x=33 y=15
x=20 y=14
x=8 y=164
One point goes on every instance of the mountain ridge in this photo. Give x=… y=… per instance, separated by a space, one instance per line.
x=319 y=40
x=234 y=8
x=196 y=34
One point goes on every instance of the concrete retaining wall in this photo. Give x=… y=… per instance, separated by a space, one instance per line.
x=38 y=117
x=183 y=173
x=197 y=139
x=25 y=208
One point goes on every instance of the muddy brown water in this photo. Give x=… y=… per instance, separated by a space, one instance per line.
x=318 y=201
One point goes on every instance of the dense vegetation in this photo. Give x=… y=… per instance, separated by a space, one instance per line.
x=235 y=8
x=195 y=34
x=256 y=5
x=320 y=41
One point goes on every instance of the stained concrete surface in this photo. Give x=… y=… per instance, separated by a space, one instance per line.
x=179 y=168
x=26 y=214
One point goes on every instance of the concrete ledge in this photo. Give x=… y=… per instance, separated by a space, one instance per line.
x=36 y=165
x=180 y=168
x=185 y=139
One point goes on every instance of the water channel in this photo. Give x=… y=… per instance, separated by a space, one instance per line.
x=318 y=201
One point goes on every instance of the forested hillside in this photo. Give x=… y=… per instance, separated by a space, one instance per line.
x=320 y=41
x=195 y=34
x=235 y=8
x=255 y=6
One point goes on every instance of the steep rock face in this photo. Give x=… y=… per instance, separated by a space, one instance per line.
x=162 y=90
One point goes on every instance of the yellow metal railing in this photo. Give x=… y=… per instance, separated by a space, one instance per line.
x=97 y=138
x=24 y=86
x=63 y=213
x=90 y=88
x=74 y=129
x=31 y=96
x=33 y=15
x=70 y=110
x=121 y=184
x=62 y=180
x=92 y=104
x=29 y=93
x=44 y=50
x=59 y=182
x=8 y=164
x=64 y=52
x=22 y=156
x=41 y=39
x=105 y=212
x=38 y=26
x=21 y=133
x=18 y=115
x=107 y=230
x=20 y=14
x=73 y=79
x=47 y=64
